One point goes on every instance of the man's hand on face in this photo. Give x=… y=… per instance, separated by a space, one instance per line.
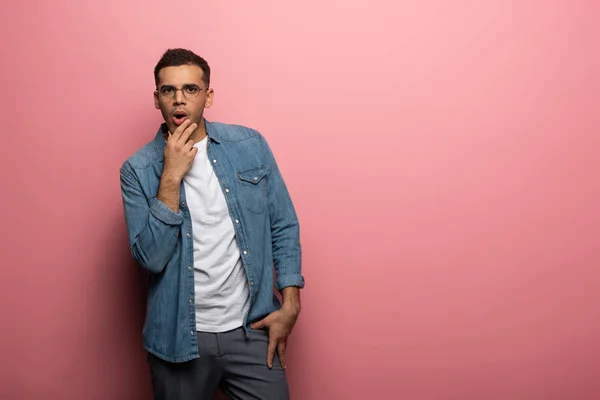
x=280 y=324
x=180 y=151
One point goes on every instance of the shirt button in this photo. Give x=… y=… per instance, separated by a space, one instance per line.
x=190 y=267
x=192 y=333
x=191 y=301
x=214 y=161
x=255 y=178
x=251 y=283
x=187 y=234
x=227 y=190
x=245 y=252
x=183 y=203
x=237 y=221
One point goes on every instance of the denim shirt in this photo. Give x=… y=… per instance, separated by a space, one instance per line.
x=161 y=241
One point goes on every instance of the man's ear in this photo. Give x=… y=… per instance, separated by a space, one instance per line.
x=156 y=100
x=210 y=94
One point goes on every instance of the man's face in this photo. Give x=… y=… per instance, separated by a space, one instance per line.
x=182 y=94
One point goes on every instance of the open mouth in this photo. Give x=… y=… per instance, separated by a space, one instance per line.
x=179 y=117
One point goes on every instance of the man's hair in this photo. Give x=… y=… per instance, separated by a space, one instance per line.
x=178 y=57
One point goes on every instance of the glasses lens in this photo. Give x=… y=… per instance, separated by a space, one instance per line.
x=191 y=91
x=166 y=92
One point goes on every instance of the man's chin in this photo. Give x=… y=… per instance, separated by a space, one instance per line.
x=172 y=125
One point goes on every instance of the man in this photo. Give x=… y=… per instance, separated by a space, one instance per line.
x=209 y=216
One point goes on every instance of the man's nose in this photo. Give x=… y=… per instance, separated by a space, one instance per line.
x=179 y=97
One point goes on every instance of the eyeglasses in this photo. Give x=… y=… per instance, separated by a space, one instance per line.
x=190 y=91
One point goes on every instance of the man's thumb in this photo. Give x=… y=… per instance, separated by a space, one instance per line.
x=259 y=324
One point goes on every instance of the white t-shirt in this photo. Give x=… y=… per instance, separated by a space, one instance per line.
x=221 y=287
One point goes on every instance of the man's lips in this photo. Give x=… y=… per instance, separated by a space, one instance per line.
x=179 y=117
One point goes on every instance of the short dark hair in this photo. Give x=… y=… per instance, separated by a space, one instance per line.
x=178 y=57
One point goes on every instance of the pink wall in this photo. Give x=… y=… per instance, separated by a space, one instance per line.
x=442 y=156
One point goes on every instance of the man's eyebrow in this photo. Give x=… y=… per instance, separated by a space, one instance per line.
x=183 y=85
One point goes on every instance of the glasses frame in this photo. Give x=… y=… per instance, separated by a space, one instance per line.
x=181 y=89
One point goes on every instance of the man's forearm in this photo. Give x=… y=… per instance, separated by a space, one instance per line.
x=169 y=191
x=152 y=226
x=291 y=299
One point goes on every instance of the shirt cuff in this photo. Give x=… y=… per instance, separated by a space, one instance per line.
x=296 y=280
x=164 y=213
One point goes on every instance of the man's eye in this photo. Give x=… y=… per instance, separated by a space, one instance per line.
x=166 y=89
x=192 y=89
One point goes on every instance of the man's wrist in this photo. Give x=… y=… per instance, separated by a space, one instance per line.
x=291 y=300
x=292 y=309
x=170 y=179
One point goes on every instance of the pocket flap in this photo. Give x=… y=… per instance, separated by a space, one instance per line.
x=254 y=175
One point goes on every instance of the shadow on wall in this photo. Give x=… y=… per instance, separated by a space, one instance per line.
x=111 y=316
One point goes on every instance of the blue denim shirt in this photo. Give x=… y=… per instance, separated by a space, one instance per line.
x=161 y=241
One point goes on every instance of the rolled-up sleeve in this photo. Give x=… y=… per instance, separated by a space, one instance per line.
x=152 y=227
x=285 y=227
x=163 y=213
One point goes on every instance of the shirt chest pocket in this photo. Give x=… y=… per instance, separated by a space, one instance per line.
x=253 y=189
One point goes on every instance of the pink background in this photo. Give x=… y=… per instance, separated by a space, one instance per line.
x=442 y=156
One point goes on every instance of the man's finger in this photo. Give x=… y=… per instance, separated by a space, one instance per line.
x=259 y=324
x=281 y=352
x=181 y=128
x=189 y=145
x=188 y=132
x=271 y=352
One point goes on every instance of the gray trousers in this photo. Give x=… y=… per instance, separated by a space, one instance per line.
x=230 y=361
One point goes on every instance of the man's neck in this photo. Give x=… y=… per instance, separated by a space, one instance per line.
x=200 y=132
